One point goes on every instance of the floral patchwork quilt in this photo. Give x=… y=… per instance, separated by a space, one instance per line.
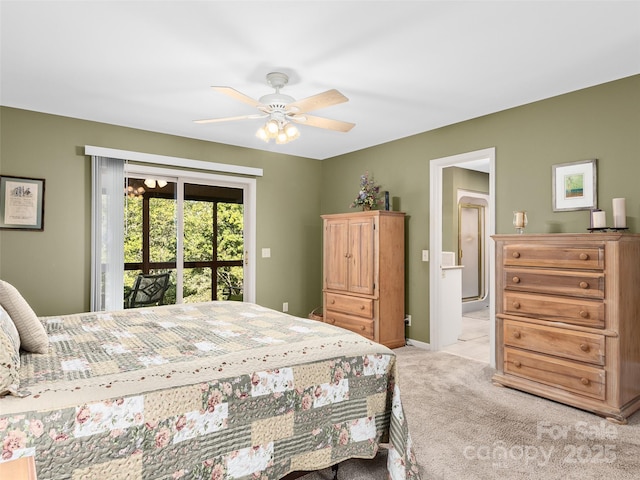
x=217 y=390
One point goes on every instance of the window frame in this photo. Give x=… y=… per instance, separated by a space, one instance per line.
x=180 y=177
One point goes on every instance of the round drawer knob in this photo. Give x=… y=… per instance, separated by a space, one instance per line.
x=516 y=254
x=584 y=285
x=516 y=279
x=362 y=327
x=584 y=347
x=361 y=307
x=584 y=256
x=516 y=335
x=517 y=364
x=331 y=321
x=516 y=304
x=585 y=381
x=584 y=314
x=332 y=302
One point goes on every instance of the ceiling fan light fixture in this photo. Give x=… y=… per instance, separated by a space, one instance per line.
x=292 y=131
x=272 y=127
x=262 y=134
x=282 y=138
x=280 y=131
x=281 y=110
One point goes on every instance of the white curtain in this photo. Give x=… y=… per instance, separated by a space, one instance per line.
x=107 y=233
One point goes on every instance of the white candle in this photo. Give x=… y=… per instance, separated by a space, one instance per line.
x=599 y=219
x=519 y=219
x=619 y=213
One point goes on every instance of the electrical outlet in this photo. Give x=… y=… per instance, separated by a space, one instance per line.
x=285 y=307
x=266 y=253
x=407 y=320
x=425 y=255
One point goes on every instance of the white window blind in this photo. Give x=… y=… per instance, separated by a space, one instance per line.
x=107 y=233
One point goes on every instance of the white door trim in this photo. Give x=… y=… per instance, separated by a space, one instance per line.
x=435 y=241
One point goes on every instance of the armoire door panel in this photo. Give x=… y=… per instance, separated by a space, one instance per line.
x=336 y=255
x=361 y=256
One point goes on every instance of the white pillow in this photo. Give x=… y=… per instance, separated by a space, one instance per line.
x=9 y=328
x=33 y=336
x=9 y=355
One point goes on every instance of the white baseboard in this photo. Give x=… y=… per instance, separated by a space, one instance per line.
x=419 y=344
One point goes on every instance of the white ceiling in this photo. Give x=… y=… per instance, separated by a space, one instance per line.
x=406 y=67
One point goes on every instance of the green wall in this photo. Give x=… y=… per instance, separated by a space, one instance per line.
x=52 y=268
x=600 y=122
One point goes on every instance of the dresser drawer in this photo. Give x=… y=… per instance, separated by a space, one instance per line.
x=562 y=309
x=363 y=307
x=532 y=255
x=572 y=376
x=358 y=325
x=556 y=282
x=573 y=345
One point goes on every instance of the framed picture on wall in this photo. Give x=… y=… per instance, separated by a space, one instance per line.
x=21 y=203
x=574 y=186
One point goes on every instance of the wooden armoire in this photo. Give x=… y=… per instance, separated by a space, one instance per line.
x=363 y=274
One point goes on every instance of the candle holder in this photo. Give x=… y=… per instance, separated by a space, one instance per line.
x=520 y=221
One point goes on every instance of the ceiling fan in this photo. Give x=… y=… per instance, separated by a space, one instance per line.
x=283 y=111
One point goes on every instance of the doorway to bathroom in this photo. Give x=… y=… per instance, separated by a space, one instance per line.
x=462 y=220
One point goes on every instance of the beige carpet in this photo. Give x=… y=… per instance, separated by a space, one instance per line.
x=464 y=428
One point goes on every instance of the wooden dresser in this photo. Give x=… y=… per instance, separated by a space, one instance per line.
x=363 y=274
x=568 y=319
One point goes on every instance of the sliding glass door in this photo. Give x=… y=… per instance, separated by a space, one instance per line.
x=192 y=228
x=197 y=226
x=150 y=235
x=213 y=243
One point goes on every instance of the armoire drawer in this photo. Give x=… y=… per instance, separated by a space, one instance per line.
x=532 y=255
x=572 y=376
x=569 y=344
x=363 y=307
x=555 y=282
x=359 y=325
x=576 y=311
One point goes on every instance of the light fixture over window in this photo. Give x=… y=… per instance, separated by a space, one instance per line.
x=151 y=183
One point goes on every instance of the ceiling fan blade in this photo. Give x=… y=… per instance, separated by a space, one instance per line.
x=315 y=102
x=233 y=93
x=230 y=119
x=320 y=122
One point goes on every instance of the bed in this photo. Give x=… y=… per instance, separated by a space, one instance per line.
x=217 y=390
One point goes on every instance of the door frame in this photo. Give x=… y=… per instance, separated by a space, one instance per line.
x=435 y=241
